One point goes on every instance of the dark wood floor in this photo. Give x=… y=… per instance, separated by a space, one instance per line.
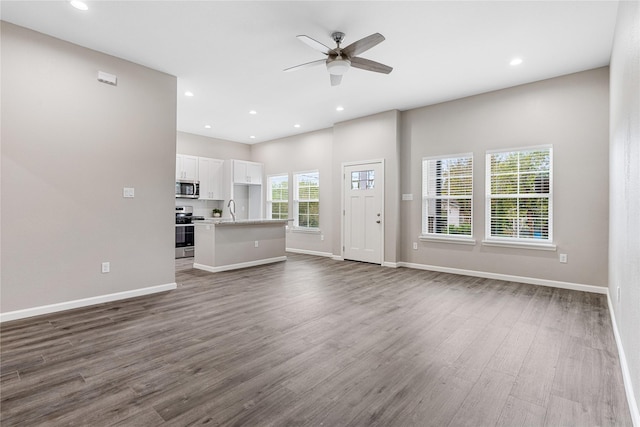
x=312 y=341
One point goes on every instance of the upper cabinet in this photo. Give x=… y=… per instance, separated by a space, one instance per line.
x=244 y=172
x=243 y=184
x=186 y=167
x=210 y=172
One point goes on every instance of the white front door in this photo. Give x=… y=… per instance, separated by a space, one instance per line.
x=363 y=219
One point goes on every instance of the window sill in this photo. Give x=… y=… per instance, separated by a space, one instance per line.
x=305 y=230
x=520 y=245
x=448 y=239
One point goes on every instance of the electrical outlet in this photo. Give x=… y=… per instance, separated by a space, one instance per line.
x=564 y=258
x=256 y=244
x=415 y=246
x=618 y=294
x=106 y=267
x=128 y=192
x=321 y=237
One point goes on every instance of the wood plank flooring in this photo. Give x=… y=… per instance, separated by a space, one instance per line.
x=312 y=341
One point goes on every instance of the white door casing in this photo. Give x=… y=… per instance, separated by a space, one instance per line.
x=363 y=213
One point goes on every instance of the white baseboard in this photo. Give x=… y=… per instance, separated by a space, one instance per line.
x=306 y=252
x=508 y=278
x=68 y=305
x=337 y=258
x=390 y=264
x=238 y=265
x=626 y=374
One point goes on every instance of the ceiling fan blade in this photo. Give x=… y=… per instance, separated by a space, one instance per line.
x=335 y=79
x=363 y=45
x=306 y=65
x=316 y=45
x=369 y=65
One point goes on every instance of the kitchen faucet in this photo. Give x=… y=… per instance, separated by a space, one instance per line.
x=232 y=211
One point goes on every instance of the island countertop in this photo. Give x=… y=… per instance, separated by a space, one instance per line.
x=226 y=221
x=223 y=244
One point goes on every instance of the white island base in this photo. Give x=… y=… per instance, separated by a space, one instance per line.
x=229 y=245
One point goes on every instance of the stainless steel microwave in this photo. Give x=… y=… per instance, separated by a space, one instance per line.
x=186 y=189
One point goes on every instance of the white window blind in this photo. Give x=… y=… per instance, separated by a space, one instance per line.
x=307 y=200
x=447 y=195
x=278 y=196
x=518 y=192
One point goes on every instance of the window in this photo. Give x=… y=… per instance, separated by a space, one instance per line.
x=447 y=196
x=519 y=189
x=306 y=200
x=363 y=180
x=278 y=197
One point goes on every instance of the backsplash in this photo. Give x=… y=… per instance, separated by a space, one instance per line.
x=201 y=207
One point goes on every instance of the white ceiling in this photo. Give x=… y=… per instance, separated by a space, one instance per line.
x=231 y=54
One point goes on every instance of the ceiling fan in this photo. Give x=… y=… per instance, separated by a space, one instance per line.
x=339 y=59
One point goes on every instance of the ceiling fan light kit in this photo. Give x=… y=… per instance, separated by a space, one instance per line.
x=338 y=66
x=339 y=60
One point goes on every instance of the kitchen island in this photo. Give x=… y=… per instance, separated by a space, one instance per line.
x=222 y=244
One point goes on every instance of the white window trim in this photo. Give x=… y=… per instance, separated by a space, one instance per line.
x=447 y=238
x=296 y=228
x=510 y=242
x=506 y=243
x=269 y=201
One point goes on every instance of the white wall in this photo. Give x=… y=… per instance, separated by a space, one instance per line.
x=624 y=170
x=69 y=146
x=202 y=146
x=569 y=112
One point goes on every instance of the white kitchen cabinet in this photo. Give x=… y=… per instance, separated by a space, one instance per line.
x=246 y=172
x=211 y=177
x=243 y=184
x=186 y=167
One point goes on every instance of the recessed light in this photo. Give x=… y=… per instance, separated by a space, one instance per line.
x=207 y=126
x=80 y=5
x=296 y=125
x=515 y=61
x=253 y=112
x=252 y=137
x=339 y=108
x=188 y=93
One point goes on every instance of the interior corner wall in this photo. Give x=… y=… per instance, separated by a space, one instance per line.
x=370 y=138
x=569 y=112
x=624 y=170
x=202 y=146
x=70 y=144
x=299 y=153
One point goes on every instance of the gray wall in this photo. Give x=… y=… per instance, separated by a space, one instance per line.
x=299 y=153
x=69 y=146
x=624 y=170
x=369 y=138
x=569 y=112
x=202 y=146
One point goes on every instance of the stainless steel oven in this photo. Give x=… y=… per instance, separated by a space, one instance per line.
x=185 y=231
x=185 y=240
